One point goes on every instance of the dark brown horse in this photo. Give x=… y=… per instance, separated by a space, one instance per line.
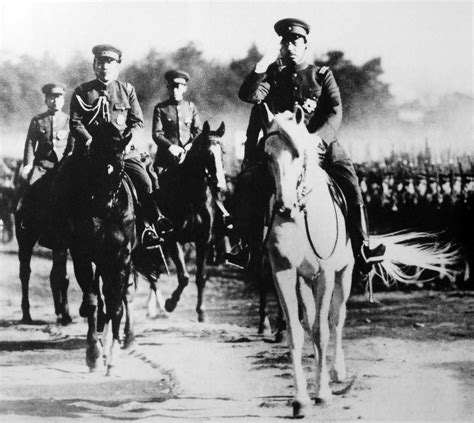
x=102 y=233
x=31 y=222
x=189 y=192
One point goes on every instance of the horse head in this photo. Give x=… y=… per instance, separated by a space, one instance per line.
x=107 y=167
x=206 y=154
x=287 y=149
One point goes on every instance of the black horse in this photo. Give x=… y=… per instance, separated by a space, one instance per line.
x=189 y=192
x=31 y=224
x=101 y=231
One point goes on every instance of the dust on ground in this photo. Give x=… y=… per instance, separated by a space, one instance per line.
x=410 y=358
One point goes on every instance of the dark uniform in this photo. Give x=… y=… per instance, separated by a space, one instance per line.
x=95 y=105
x=48 y=139
x=174 y=123
x=314 y=88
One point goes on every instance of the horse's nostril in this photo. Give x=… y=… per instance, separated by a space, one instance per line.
x=284 y=212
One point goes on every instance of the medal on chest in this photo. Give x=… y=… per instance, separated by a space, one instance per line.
x=120 y=120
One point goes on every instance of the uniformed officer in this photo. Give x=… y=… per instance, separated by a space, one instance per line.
x=48 y=139
x=106 y=101
x=47 y=142
x=175 y=121
x=285 y=78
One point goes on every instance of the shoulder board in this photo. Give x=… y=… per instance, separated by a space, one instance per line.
x=323 y=70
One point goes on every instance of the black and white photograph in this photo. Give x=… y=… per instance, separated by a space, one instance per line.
x=236 y=211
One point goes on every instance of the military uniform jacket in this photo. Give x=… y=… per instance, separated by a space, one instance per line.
x=313 y=88
x=173 y=124
x=48 y=139
x=95 y=104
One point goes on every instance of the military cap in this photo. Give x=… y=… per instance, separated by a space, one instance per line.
x=106 y=50
x=289 y=26
x=177 y=76
x=54 y=88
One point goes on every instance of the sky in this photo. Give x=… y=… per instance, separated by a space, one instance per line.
x=426 y=46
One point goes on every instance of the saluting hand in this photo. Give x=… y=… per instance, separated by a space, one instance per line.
x=271 y=54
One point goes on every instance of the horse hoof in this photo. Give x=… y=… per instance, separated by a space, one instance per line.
x=26 y=320
x=110 y=371
x=94 y=364
x=130 y=344
x=337 y=376
x=65 y=320
x=202 y=317
x=323 y=401
x=170 y=305
x=94 y=357
x=280 y=337
x=300 y=409
x=84 y=309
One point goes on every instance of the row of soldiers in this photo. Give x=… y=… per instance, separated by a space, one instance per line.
x=405 y=200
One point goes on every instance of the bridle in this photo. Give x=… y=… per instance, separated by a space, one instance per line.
x=302 y=193
x=110 y=169
x=302 y=190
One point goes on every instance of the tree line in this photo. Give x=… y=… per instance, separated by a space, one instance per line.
x=213 y=87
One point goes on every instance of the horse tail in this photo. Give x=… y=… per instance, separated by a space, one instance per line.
x=409 y=255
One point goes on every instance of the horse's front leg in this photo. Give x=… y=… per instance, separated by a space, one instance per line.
x=26 y=242
x=114 y=289
x=85 y=277
x=177 y=255
x=202 y=248
x=129 y=331
x=285 y=282
x=59 y=285
x=337 y=318
x=322 y=294
x=156 y=302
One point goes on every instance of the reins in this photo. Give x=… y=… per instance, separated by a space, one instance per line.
x=302 y=204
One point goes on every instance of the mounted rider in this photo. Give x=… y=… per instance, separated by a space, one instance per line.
x=48 y=141
x=281 y=82
x=175 y=121
x=97 y=107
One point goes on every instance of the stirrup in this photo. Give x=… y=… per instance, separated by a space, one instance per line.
x=152 y=237
x=238 y=257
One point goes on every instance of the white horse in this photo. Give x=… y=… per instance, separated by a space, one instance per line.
x=311 y=255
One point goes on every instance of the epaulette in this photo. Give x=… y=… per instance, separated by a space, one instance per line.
x=323 y=70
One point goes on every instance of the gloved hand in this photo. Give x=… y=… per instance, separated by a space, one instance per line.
x=176 y=151
x=127 y=135
x=26 y=171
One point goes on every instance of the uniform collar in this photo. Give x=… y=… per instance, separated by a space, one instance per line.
x=298 y=67
x=174 y=102
x=102 y=85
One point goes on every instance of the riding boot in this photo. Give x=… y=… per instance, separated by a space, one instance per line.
x=239 y=256
x=147 y=234
x=364 y=255
x=163 y=225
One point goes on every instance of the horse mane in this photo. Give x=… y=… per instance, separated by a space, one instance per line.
x=296 y=136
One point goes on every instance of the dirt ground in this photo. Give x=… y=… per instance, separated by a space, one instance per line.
x=411 y=358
